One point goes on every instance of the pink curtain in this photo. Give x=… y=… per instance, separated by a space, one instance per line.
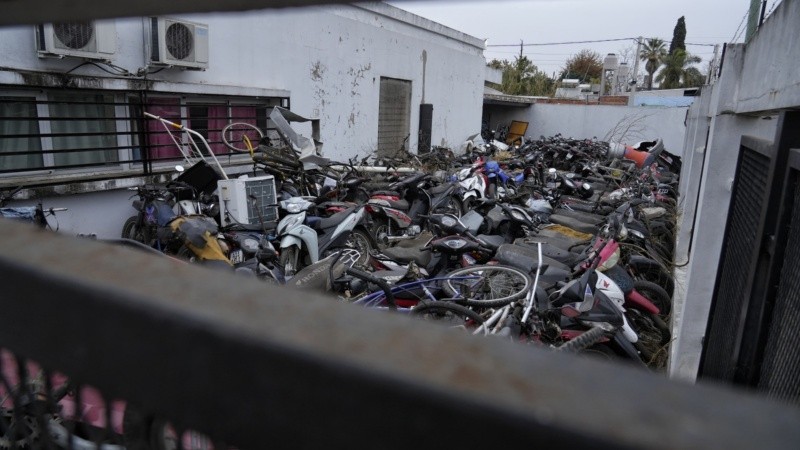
x=158 y=140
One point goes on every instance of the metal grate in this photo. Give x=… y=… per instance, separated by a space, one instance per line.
x=39 y=410
x=394 y=115
x=74 y=35
x=180 y=41
x=780 y=372
x=729 y=308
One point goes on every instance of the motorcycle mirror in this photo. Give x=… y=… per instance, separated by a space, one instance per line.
x=179 y=168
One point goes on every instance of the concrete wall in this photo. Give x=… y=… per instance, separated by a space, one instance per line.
x=623 y=124
x=330 y=59
x=758 y=79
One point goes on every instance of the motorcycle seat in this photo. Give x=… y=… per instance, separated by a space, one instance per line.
x=396 y=204
x=493 y=240
x=574 y=223
x=405 y=255
x=387 y=193
x=332 y=221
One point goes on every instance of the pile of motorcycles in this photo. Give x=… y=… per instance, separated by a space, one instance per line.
x=555 y=242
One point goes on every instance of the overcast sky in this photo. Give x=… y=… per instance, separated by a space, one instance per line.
x=548 y=21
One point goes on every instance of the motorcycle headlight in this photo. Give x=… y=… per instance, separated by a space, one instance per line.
x=455 y=243
x=295 y=205
x=517 y=215
x=449 y=221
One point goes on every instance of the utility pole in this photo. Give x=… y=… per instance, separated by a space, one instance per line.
x=636 y=64
x=713 y=67
x=520 y=48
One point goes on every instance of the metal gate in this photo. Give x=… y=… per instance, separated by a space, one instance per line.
x=780 y=371
x=750 y=266
x=394 y=115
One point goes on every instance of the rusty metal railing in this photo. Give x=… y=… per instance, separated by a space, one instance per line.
x=254 y=365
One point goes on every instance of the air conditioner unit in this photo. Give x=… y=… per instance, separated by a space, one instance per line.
x=178 y=43
x=242 y=200
x=90 y=40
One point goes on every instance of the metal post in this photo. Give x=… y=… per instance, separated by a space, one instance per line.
x=636 y=64
x=752 y=19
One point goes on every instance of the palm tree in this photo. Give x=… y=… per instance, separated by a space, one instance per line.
x=653 y=52
x=678 y=72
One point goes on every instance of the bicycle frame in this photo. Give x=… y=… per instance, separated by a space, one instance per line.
x=376 y=298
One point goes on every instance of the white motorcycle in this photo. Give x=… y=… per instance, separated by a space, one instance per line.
x=305 y=238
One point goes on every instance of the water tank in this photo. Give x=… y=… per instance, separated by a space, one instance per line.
x=623 y=70
x=611 y=62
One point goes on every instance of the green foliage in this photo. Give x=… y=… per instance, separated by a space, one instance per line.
x=678 y=37
x=522 y=77
x=678 y=71
x=653 y=53
x=586 y=66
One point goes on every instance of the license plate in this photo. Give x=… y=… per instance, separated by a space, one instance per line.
x=236 y=257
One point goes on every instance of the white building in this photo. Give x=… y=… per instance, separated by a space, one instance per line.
x=72 y=95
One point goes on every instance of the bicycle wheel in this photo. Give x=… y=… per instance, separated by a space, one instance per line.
x=232 y=136
x=447 y=313
x=487 y=286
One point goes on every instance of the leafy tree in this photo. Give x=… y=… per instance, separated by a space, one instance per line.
x=586 y=66
x=522 y=77
x=496 y=64
x=678 y=37
x=653 y=53
x=678 y=72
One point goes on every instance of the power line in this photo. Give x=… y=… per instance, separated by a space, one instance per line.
x=593 y=41
x=562 y=43
x=736 y=33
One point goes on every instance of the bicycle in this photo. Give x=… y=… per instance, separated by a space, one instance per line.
x=481 y=286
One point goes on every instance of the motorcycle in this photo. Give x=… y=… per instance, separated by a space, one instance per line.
x=36 y=215
x=396 y=213
x=304 y=238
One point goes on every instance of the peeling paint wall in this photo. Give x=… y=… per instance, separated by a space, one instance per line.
x=330 y=59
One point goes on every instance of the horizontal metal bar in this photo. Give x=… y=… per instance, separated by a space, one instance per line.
x=18 y=12
x=256 y=364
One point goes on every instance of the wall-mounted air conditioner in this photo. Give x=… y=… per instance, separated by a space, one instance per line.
x=178 y=43
x=90 y=40
x=242 y=200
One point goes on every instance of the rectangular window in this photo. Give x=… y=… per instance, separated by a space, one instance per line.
x=161 y=142
x=394 y=115
x=20 y=146
x=83 y=129
x=80 y=129
x=209 y=120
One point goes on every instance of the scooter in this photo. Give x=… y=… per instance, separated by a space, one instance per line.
x=397 y=213
x=304 y=238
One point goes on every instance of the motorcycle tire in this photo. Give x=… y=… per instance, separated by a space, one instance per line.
x=380 y=226
x=361 y=240
x=131 y=230
x=450 y=206
x=656 y=294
